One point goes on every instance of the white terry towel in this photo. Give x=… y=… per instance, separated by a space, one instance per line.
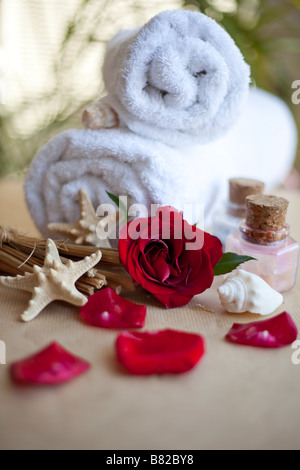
x=262 y=145
x=179 y=79
x=116 y=160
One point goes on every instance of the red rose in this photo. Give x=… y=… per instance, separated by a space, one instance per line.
x=167 y=256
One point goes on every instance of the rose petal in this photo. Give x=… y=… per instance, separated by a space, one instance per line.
x=161 y=269
x=163 y=352
x=52 y=366
x=125 y=241
x=193 y=236
x=276 y=332
x=173 y=300
x=213 y=247
x=177 y=246
x=200 y=277
x=106 y=309
x=133 y=266
x=153 y=259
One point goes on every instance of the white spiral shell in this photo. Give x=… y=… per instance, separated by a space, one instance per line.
x=247 y=292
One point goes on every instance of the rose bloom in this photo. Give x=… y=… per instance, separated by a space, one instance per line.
x=170 y=258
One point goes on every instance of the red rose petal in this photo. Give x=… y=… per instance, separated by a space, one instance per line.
x=106 y=309
x=273 y=333
x=52 y=366
x=213 y=246
x=163 y=352
x=171 y=300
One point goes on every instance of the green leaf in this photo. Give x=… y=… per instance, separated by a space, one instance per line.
x=229 y=262
x=114 y=198
x=119 y=204
x=196 y=224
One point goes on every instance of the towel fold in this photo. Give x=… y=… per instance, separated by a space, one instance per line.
x=179 y=79
x=116 y=160
x=262 y=145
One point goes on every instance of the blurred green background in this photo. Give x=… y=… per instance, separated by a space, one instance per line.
x=51 y=54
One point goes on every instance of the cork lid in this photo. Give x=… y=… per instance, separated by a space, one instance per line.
x=240 y=188
x=266 y=212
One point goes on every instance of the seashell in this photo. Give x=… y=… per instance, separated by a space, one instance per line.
x=100 y=116
x=247 y=292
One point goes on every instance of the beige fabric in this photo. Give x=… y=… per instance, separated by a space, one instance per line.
x=237 y=397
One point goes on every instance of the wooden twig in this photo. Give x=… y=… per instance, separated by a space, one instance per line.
x=19 y=254
x=120 y=278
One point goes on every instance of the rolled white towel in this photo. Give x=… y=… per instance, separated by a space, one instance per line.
x=116 y=160
x=262 y=145
x=179 y=79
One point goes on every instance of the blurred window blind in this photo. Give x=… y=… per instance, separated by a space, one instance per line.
x=31 y=35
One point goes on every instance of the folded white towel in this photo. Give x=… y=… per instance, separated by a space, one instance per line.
x=262 y=145
x=116 y=160
x=179 y=79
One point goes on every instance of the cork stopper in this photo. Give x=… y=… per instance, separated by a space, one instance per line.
x=266 y=212
x=240 y=188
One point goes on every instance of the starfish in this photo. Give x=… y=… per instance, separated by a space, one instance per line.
x=54 y=281
x=84 y=231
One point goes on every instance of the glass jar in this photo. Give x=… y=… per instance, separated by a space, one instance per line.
x=229 y=217
x=276 y=252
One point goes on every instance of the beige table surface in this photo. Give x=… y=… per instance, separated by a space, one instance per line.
x=237 y=398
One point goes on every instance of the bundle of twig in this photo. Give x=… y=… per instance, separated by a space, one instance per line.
x=19 y=254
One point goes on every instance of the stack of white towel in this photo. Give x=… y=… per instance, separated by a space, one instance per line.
x=187 y=123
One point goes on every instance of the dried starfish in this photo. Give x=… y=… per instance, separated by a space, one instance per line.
x=84 y=231
x=54 y=281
